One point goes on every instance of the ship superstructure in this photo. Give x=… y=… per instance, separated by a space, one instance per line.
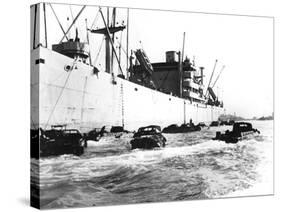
x=68 y=88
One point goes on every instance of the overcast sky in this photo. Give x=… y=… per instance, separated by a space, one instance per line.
x=243 y=44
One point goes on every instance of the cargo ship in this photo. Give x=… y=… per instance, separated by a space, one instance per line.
x=67 y=88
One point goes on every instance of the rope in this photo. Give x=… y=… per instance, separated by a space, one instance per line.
x=96 y=18
x=99 y=51
x=88 y=41
x=60 y=94
x=211 y=77
x=72 y=16
x=73 y=22
x=58 y=21
x=71 y=13
x=110 y=39
x=125 y=52
x=218 y=77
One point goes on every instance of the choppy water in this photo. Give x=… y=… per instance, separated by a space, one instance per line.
x=192 y=166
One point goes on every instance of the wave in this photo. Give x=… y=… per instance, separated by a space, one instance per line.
x=192 y=166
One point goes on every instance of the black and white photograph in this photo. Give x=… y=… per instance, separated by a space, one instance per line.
x=132 y=105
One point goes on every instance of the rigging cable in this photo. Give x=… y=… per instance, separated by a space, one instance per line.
x=122 y=48
x=218 y=77
x=99 y=51
x=95 y=20
x=59 y=22
x=71 y=13
x=69 y=72
x=88 y=41
x=72 y=16
x=110 y=39
x=211 y=76
x=75 y=19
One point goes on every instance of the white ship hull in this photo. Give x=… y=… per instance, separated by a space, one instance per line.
x=84 y=100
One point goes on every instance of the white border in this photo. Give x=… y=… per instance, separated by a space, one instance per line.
x=14 y=87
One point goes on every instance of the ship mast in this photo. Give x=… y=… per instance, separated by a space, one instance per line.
x=127 y=45
x=45 y=25
x=107 y=47
x=181 y=56
x=107 y=31
x=113 y=34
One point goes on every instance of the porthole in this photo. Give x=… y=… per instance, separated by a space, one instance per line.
x=67 y=67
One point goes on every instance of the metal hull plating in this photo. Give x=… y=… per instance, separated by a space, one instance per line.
x=84 y=100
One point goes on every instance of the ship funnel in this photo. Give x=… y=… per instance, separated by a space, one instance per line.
x=170 y=56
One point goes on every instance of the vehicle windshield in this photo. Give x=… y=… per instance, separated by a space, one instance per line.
x=149 y=129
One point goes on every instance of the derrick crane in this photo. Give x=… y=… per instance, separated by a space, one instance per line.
x=144 y=61
x=211 y=76
x=210 y=89
x=218 y=76
x=212 y=93
x=146 y=68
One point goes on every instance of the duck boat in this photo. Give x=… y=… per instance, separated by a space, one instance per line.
x=240 y=131
x=148 y=137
